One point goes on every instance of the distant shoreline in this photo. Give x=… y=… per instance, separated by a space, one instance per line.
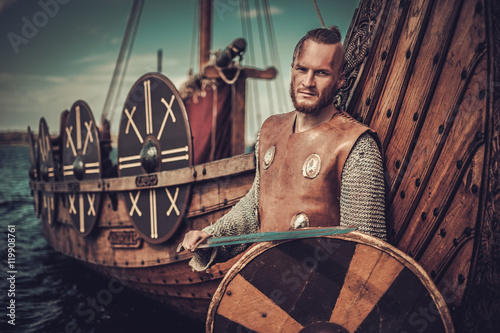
x=21 y=138
x=14 y=138
x=14 y=144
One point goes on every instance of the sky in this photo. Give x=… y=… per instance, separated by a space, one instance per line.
x=55 y=52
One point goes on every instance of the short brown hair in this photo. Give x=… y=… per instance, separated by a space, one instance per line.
x=320 y=35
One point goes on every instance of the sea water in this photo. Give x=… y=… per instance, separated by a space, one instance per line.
x=45 y=291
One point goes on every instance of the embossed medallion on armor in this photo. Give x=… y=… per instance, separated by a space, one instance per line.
x=311 y=167
x=269 y=156
x=300 y=220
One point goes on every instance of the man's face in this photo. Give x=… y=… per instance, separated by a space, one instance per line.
x=316 y=76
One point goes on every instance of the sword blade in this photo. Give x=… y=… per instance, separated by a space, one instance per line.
x=275 y=236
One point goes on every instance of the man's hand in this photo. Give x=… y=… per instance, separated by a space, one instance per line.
x=194 y=238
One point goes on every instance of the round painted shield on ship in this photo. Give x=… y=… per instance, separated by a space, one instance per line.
x=47 y=173
x=34 y=169
x=154 y=136
x=344 y=283
x=82 y=161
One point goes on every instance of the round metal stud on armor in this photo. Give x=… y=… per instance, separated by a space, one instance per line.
x=300 y=220
x=312 y=166
x=269 y=156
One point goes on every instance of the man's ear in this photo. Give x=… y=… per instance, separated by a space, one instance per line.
x=341 y=80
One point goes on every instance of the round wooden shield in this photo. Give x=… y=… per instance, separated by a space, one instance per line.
x=47 y=173
x=33 y=171
x=154 y=136
x=82 y=161
x=345 y=283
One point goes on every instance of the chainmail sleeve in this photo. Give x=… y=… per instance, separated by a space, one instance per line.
x=241 y=219
x=362 y=193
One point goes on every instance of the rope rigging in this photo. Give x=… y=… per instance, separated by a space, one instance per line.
x=194 y=37
x=247 y=33
x=319 y=14
x=264 y=57
x=275 y=56
x=122 y=61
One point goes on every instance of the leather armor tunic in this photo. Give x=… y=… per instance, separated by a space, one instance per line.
x=301 y=172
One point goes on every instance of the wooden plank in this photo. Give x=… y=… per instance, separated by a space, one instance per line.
x=211 y=72
x=410 y=129
x=199 y=291
x=219 y=193
x=396 y=102
x=111 y=217
x=459 y=224
x=192 y=308
x=202 y=172
x=96 y=248
x=454 y=282
x=426 y=144
x=248 y=306
x=453 y=153
x=381 y=55
x=370 y=275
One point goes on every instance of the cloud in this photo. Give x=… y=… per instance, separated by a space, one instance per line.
x=93 y=58
x=272 y=11
x=7 y=79
x=30 y=97
x=99 y=33
x=25 y=98
x=89 y=29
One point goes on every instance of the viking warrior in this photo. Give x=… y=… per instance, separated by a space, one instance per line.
x=316 y=166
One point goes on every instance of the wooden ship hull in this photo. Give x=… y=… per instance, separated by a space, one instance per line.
x=423 y=75
x=157 y=270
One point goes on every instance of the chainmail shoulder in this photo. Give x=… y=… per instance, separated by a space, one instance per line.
x=241 y=219
x=362 y=192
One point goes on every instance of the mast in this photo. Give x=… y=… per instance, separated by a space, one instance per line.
x=205 y=31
